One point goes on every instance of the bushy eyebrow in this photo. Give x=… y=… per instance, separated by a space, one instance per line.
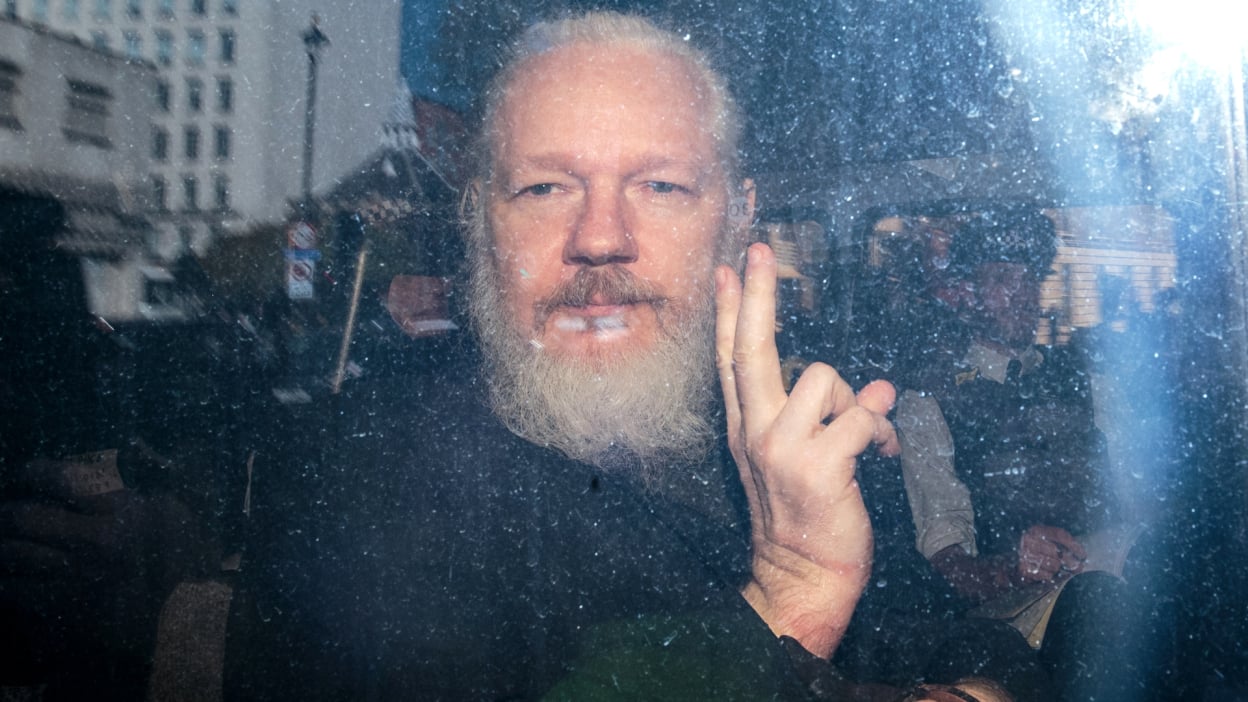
x=558 y=161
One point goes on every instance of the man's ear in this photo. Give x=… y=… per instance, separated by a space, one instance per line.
x=471 y=199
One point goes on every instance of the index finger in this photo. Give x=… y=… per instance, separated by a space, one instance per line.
x=755 y=358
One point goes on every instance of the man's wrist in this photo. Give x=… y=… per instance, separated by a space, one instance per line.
x=802 y=600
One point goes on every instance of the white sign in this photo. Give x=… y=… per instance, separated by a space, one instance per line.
x=299 y=279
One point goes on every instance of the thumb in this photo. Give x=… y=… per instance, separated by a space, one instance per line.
x=879 y=396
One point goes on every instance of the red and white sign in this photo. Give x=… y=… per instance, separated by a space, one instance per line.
x=299 y=279
x=301 y=235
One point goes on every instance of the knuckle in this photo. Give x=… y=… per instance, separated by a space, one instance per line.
x=860 y=419
x=766 y=445
x=822 y=373
x=740 y=359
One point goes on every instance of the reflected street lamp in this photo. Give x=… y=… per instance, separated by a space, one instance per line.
x=313 y=40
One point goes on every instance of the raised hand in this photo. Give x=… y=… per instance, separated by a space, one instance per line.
x=796 y=453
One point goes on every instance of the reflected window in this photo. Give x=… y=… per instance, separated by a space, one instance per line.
x=227 y=46
x=194 y=94
x=191 y=142
x=160 y=194
x=88 y=106
x=164 y=48
x=190 y=193
x=221 y=192
x=160 y=292
x=195 y=47
x=221 y=142
x=10 y=79
x=164 y=95
x=225 y=95
x=133 y=44
x=160 y=144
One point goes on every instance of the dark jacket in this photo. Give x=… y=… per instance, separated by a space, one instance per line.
x=408 y=546
x=422 y=551
x=1028 y=450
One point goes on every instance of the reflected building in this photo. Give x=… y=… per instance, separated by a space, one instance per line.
x=224 y=120
x=68 y=113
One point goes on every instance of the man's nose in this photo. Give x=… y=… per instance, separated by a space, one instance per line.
x=602 y=234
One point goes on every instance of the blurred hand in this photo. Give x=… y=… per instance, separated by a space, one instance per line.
x=1046 y=552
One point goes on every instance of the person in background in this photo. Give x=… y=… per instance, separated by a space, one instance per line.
x=1000 y=454
x=1006 y=476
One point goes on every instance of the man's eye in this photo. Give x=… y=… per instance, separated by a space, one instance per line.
x=538 y=189
x=664 y=188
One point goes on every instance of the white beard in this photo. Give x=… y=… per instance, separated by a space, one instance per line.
x=635 y=414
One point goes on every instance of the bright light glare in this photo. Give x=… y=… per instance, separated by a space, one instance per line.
x=1210 y=32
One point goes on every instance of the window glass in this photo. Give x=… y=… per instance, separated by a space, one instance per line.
x=221 y=191
x=160 y=144
x=191 y=143
x=225 y=95
x=190 y=193
x=221 y=142
x=195 y=47
x=160 y=196
x=88 y=107
x=164 y=97
x=133 y=44
x=194 y=94
x=1030 y=217
x=10 y=79
x=164 y=47
x=227 y=46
